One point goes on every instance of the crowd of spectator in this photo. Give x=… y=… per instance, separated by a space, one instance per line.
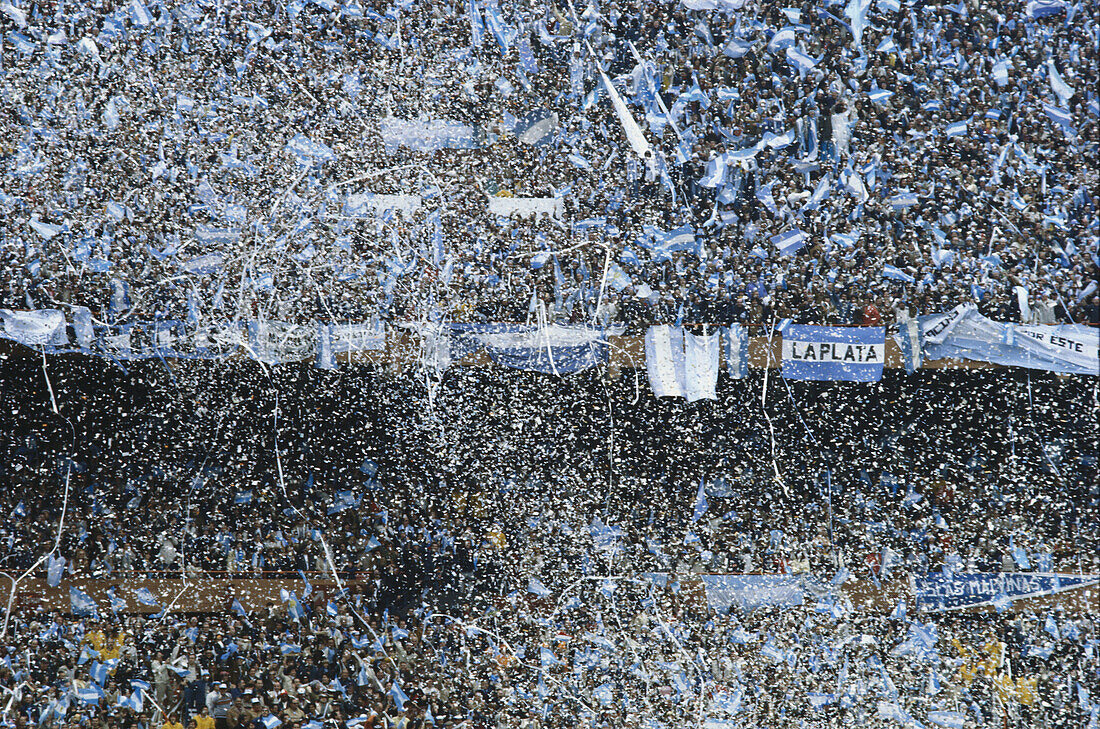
x=200 y=162
x=636 y=656
x=455 y=510
x=112 y=190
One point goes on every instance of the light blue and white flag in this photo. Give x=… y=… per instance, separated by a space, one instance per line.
x=853 y=354
x=503 y=33
x=1058 y=85
x=535 y=587
x=737 y=351
x=790 y=242
x=856 y=11
x=203 y=265
x=802 y=62
x=1045 y=8
x=700 y=507
x=139 y=14
x=536 y=127
x=715 y=174
x=145 y=596
x=947 y=719
x=550 y=349
x=477 y=32
x=343 y=500
x=400 y=698
x=308 y=152
x=896 y=274
x=782 y=40
x=878 y=95
x=83 y=329
x=90 y=694
x=1061 y=117
x=903 y=199
x=957 y=129
x=909 y=332
x=963 y=333
x=325 y=359
x=99 y=672
x=33 y=328
x=81 y=604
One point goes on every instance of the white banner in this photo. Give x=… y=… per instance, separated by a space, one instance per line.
x=700 y=366
x=937 y=329
x=369 y=203
x=45 y=326
x=525 y=206
x=357 y=337
x=1074 y=343
x=664 y=359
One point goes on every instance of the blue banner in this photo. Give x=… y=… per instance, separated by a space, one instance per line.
x=937 y=592
x=853 y=354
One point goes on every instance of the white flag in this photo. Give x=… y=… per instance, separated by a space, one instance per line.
x=664 y=358
x=701 y=366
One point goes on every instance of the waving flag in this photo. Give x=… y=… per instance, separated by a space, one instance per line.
x=399 y=696
x=957 y=129
x=308 y=152
x=700 y=503
x=536 y=127
x=856 y=11
x=89 y=695
x=947 y=719
x=801 y=61
x=55 y=568
x=896 y=274
x=477 y=33
x=1058 y=84
x=81 y=603
x=535 y=586
x=790 y=242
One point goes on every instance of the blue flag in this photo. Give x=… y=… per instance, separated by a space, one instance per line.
x=737 y=351
x=81 y=603
x=790 y=242
x=476 y=31
x=55 y=568
x=700 y=503
x=399 y=696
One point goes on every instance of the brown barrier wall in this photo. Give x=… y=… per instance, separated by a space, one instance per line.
x=210 y=595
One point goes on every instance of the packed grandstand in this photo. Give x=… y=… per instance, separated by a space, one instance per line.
x=707 y=364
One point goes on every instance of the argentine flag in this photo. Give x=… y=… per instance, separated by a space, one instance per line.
x=957 y=129
x=737 y=352
x=790 y=242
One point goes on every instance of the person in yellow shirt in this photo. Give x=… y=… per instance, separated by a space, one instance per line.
x=172 y=723
x=203 y=720
x=95 y=637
